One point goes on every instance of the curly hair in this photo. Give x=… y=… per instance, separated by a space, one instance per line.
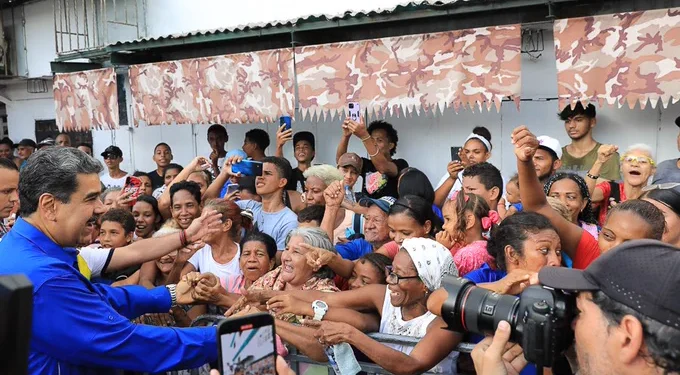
x=392 y=135
x=586 y=215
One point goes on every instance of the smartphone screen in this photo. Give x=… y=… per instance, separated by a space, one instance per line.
x=455 y=151
x=248 y=168
x=247 y=345
x=285 y=120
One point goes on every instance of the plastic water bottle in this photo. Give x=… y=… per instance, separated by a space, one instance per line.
x=331 y=359
x=349 y=195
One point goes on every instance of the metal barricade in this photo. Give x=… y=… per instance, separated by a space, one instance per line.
x=295 y=358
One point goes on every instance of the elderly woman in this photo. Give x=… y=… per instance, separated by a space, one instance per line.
x=637 y=167
x=417 y=271
x=295 y=273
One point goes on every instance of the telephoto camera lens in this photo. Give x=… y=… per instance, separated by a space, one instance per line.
x=540 y=318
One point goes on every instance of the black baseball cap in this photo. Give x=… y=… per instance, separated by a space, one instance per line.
x=113 y=150
x=304 y=136
x=27 y=143
x=641 y=274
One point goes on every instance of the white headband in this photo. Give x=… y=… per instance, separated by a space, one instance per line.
x=481 y=139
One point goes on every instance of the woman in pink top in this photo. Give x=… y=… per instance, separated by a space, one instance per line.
x=466 y=218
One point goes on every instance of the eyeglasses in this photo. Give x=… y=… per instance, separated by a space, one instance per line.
x=642 y=160
x=666 y=186
x=394 y=279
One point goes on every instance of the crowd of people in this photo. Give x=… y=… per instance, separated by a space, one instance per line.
x=118 y=278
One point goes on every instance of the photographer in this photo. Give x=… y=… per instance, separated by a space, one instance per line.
x=627 y=315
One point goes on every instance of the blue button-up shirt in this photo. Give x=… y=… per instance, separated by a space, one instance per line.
x=84 y=328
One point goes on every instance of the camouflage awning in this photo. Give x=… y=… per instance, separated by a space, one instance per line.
x=614 y=59
x=412 y=73
x=241 y=88
x=86 y=100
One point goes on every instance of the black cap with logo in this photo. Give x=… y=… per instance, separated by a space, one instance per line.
x=642 y=274
x=114 y=151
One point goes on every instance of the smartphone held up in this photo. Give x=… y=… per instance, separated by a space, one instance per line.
x=133 y=185
x=247 y=345
x=286 y=121
x=354 y=111
x=248 y=168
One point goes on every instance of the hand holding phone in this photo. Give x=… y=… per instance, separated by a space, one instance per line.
x=247 y=345
x=247 y=168
x=455 y=153
x=286 y=122
x=133 y=186
x=354 y=111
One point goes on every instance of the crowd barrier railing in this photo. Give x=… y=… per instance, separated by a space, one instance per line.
x=295 y=358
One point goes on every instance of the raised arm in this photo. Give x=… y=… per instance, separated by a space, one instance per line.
x=442 y=192
x=380 y=161
x=344 y=141
x=282 y=137
x=532 y=194
x=334 y=197
x=148 y=274
x=604 y=154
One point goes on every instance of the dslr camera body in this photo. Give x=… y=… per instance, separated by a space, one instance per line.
x=540 y=317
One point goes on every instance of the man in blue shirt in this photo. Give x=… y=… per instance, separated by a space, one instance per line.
x=376 y=231
x=79 y=327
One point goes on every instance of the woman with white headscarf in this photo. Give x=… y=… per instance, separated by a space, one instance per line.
x=417 y=271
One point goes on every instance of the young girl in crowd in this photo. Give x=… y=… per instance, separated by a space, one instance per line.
x=572 y=190
x=171 y=171
x=147 y=217
x=409 y=217
x=466 y=218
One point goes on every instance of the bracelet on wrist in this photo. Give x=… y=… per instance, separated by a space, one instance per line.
x=366 y=139
x=591 y=176
x=183 y=238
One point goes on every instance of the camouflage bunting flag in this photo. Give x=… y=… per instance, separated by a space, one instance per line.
x=86 y=100
x=466 y=68
x=619 y=58
x=241 y=88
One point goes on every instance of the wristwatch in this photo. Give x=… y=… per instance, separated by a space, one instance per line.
x=320 y=308
x=172 y=288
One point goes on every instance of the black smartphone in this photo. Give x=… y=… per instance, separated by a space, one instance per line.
x=247 y=346
x=455 y=153
x=248 y=168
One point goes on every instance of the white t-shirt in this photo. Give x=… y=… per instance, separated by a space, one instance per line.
x=204 y=262
x=456 y=186
x=109 y=181
x=97 y=258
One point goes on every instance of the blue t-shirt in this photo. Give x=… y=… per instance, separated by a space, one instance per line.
x=355 y=249
x=486 y=275
x=276 y=224
x=438 y=212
